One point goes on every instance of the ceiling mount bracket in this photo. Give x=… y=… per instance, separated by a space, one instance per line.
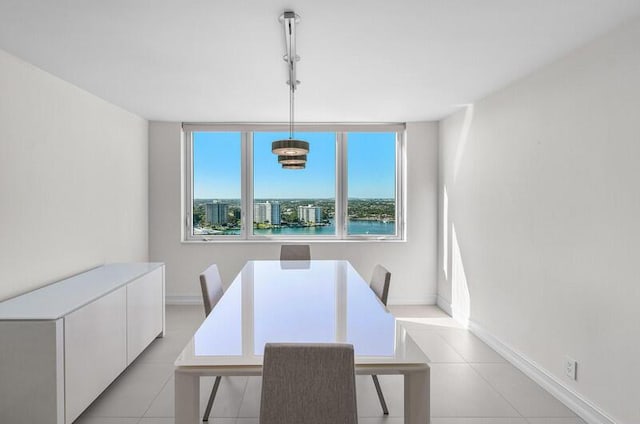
x=289 y=20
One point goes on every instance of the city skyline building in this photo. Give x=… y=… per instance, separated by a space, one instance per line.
x=275 y=213
x=266 y=212
x=261 y=212
x=217 y=213
x=310 y=213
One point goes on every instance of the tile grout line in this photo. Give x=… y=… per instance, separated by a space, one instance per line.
x=527 y=419
x=495 y=389
x=480 y=341
x=156 y=397
x=170 y=376
x=464 y=359
x=244 y=393
x=437 y=333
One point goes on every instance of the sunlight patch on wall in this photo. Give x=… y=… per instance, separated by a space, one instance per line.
x=445 y=234
x=460 y=299
x=464 y=137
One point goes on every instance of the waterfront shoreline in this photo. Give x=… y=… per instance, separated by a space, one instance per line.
x=356 y=227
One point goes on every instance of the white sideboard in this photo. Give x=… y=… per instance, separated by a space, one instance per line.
x=63 y=344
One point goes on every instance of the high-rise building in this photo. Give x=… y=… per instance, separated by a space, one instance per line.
x=266 y=212
x=275 y=213
x=310 y=213
x=262 y=212
x=217 y=213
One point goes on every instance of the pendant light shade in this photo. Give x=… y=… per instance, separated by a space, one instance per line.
x=289 y=147
x=297 y=166
x=292 y=160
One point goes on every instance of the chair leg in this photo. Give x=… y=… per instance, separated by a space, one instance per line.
x=380 y=395
x=212 y=397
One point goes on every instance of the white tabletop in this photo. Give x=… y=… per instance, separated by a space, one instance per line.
x=298 y=301
x=65 y=296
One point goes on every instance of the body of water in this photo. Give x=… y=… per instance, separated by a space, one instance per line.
x=354 y=228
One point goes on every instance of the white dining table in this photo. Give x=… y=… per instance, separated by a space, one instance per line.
x=318 y=301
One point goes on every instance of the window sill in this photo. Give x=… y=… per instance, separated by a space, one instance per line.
x=307 y=241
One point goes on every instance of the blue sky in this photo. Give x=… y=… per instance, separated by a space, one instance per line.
x=216 y=165
x=317 y=180
x=371 y=163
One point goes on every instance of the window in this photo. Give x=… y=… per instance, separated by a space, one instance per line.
x=351 y=187
x=216 y=207
x=371 y=164
x=294 y=203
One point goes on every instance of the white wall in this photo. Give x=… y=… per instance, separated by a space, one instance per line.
x=412 y=264
x=543 y=188
x=73 y=180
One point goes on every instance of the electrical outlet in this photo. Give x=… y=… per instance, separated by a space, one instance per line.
x=571 y=368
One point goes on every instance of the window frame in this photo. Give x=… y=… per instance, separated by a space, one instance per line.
x=247 y=174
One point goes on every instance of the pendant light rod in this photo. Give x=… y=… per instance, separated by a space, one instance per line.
x=291 y=111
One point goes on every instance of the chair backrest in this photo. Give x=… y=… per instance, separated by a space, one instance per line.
x=308 y=383
x=211 y=285
x=295 y=252
x=380 y=281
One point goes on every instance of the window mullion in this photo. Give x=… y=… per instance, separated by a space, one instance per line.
x=247 y=185
x=341 y=185
x=188 y=207
x=400 y=185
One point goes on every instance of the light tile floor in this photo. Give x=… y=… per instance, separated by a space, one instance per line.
x=470 y=383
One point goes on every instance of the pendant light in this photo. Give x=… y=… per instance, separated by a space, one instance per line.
x=292 y=153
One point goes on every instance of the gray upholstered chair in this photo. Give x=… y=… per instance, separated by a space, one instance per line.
x=295 y=252
x=212 y=291
x=308 y=383
x=380 y=281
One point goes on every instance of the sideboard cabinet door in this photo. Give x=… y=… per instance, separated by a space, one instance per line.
x=145 y=312
x=95 y=338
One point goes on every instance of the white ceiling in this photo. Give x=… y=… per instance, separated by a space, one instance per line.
x=362 y=60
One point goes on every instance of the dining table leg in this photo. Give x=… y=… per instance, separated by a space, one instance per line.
x=187 y=397
x=417 y=396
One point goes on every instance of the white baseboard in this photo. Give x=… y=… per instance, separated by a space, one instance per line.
x=182 y=300
x=445 y=305
x=574 y=401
